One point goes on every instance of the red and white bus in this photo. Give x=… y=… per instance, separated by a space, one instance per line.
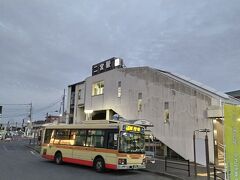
x=99 y=144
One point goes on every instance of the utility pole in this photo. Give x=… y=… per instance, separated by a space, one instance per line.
x=63 y=104
x=30 y=115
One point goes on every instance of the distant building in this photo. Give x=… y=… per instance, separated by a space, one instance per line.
x=175 y=105
x=235 y=94
x=52 y=119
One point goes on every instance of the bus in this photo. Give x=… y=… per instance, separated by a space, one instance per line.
x=99 y=144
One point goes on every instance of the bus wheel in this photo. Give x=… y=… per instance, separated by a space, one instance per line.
x=58 y=158
x=99 y=165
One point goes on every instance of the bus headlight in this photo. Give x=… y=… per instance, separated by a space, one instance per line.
x=122 y=161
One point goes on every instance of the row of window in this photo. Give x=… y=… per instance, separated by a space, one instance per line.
x=82 y=137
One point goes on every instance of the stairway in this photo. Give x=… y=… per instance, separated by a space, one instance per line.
x=220 y=155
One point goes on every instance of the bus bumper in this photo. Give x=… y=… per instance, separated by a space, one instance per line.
x=132 y=166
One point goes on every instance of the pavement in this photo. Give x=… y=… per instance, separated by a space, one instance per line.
x=158 y=168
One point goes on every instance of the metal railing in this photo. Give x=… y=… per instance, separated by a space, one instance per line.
x=184 y=165
x=221 y=147
x=218 y=171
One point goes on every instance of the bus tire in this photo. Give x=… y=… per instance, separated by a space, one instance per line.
x=99 y=165
x=58 y=158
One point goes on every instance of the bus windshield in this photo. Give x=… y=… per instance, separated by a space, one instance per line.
x=131 y=142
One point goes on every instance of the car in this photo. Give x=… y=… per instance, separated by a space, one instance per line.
x=8 y=137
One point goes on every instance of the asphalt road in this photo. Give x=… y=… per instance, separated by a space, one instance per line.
x=17 y=162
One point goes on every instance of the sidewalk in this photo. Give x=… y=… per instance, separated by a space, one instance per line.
x=159 y=168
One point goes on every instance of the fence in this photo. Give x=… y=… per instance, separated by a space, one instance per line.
x=218 y=171
x=181 y=165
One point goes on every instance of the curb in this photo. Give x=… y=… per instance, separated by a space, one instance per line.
x=33 y=148
x=163 y=174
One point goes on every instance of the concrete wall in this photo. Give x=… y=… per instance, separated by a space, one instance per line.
x=187 y=105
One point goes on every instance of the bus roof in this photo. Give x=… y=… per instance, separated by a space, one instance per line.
x=91 y=124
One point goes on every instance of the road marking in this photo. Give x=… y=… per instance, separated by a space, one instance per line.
x=5 y=148
x=34 y=154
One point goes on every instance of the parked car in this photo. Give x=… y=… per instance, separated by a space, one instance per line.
x=8 y=137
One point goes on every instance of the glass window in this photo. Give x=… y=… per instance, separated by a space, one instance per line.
x=131 y=142
x=79 y=94
x=119 y=89
x=80 y=139
x=98 y=88
x=166 y=112
x=95 y=138
x=62 y=134
x=48 y=134
x=112 y=140
x=139 y=102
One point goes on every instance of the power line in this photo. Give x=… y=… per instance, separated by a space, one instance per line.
x=15 y=104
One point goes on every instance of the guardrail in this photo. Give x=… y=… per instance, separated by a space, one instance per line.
x=184 y=165
x=216 y=171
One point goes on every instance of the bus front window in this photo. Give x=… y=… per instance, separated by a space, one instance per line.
x=131 y=142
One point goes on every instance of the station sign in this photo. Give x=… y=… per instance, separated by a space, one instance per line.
x=107 y=65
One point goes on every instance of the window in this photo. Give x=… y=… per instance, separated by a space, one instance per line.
x=139 y=102
x=48 y=134
x=112 y=140
x=98 y=88
x=95 y=138
x=62 y=134
x=81 y=137
x=72 y=100
x=119 y=89
x=79 y=94
x=166 y=112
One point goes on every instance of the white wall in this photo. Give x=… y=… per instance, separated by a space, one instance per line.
x=187 y=111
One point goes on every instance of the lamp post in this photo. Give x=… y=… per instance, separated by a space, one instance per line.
x=206 y=150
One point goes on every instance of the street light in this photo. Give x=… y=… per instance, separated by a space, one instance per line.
x=206 y=149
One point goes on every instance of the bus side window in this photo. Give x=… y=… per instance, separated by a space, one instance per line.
x=81 y=137
x=112 y=140
x=48 y=134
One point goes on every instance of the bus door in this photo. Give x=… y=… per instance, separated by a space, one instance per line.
x=81 y=153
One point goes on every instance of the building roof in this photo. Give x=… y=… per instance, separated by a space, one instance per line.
x=192 y=83
x=81 y=82
x=234 y=93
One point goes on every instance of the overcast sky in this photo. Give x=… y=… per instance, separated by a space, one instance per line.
x=47 y=45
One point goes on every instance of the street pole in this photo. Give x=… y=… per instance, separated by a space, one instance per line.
x=63 y=101
x=63 y=104
x=207 y=157
x=194 y=152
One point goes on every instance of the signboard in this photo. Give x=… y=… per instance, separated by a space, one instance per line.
x=232 y=140
x=200 y=151
x=107 y=65
x=132 y=128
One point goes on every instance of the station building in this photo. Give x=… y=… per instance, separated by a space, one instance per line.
x=175 y=105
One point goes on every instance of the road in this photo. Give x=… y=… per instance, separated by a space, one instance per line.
x=17 y=162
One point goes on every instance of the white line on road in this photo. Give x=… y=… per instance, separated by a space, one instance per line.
x=33 y=153
x=4 y=147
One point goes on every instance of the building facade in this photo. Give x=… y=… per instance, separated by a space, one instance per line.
x=175 y=105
